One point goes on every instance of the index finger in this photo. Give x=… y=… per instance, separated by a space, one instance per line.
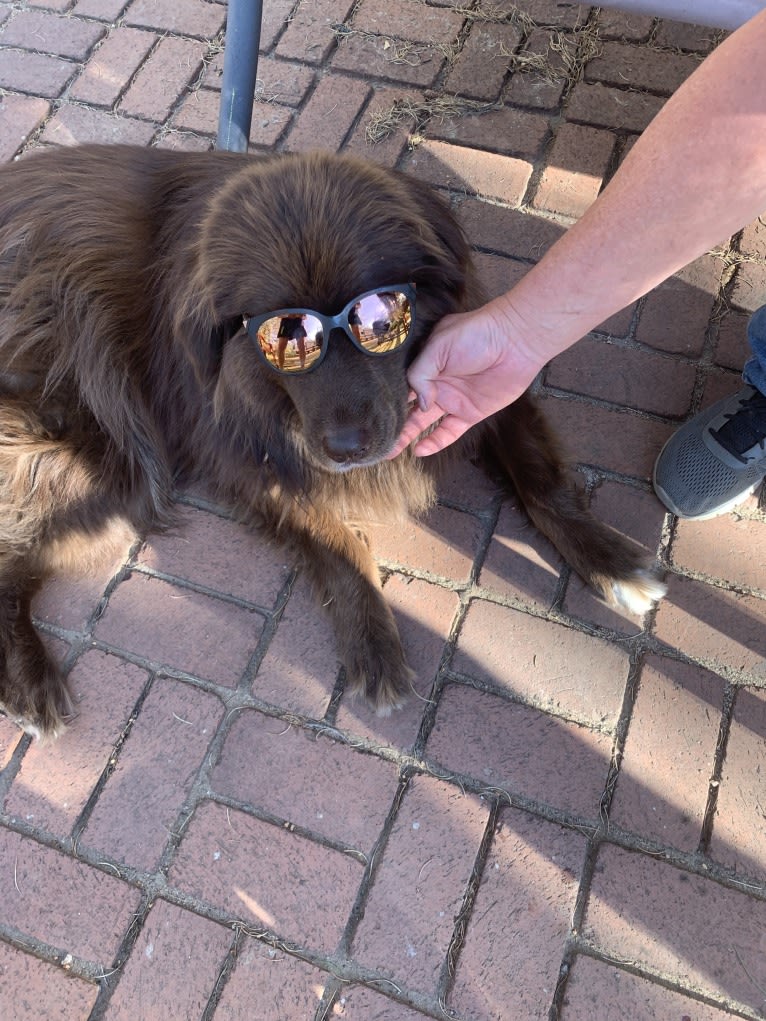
x=417 y=422
x=445 y=433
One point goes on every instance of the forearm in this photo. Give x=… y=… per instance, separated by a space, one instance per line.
x=697 y=175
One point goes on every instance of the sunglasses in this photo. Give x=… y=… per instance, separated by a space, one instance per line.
x=294 y=340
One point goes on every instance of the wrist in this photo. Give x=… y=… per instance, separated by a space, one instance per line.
x=526 y=335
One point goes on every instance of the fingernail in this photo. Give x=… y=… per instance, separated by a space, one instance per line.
x=422 y=402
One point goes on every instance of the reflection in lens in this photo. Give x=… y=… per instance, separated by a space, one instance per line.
x=292 y=342
x=381 y=322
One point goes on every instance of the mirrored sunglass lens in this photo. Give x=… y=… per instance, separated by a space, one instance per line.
x=291 y=342
x=381 y=322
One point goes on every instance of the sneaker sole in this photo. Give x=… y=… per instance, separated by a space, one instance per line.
x=716 y=513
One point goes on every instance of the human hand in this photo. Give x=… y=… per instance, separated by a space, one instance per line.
x=471 y=367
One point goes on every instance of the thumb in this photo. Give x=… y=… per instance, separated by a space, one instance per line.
x=421 y=375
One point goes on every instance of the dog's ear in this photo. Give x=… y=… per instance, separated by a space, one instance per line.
x=200 y=334
x=450 y=268
x=437 y=212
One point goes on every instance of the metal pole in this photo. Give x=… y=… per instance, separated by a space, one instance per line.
x=240 y=69
x=715 y=13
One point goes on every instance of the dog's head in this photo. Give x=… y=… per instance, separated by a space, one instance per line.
x=314 y=232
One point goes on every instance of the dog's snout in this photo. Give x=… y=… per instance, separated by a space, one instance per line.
x=346 y=443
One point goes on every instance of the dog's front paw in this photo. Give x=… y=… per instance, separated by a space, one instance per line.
x=376 y=668
x=34 y=694
x=384 y=682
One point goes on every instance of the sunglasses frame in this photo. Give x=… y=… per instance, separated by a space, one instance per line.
x=337 y=322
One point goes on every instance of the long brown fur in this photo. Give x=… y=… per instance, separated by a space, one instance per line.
x=125 y=373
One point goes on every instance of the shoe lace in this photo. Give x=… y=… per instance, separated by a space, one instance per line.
x=745 y=428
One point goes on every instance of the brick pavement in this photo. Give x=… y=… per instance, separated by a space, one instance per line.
x=569 y=820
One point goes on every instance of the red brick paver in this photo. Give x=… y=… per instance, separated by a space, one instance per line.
x=300 y=890
x=599 y=990
x=136 y=813
x=606 y=107
x=73 y=124
x=740 y=809
x=566 y=818
x=33 y=988
x=171 y=66
x=55 y=898
x=514 y=749
x=533 y=869
x=578 y=161
x=657 y=916
x=418 y=888
x=488 y=174
x=106 y=690
x=175 y=962
x=110 y=70
x=503 y=647
x=305 y=780
x=186 y=17
x=623 y=375
x=47 y=33
x=281 y=985
x=673 y=736
x=736 y=554
x=181 y=629
x=640 y=67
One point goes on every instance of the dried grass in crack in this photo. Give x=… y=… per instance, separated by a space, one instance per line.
x=419 y=112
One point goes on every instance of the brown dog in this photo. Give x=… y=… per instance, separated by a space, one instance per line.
x=139 y=350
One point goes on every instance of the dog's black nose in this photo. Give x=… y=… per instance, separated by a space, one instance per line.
x=346 y=443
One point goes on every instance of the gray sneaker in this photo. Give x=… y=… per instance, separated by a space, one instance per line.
x=716 y=460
